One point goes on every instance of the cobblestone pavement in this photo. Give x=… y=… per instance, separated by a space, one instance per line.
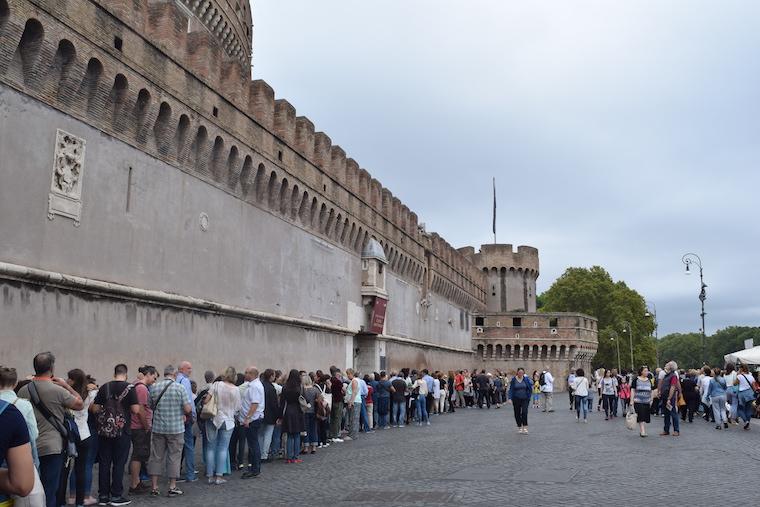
x=476 y=457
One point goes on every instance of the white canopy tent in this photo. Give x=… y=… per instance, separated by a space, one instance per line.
x=747 y=356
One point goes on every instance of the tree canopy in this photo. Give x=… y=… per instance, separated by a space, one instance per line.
x=593 y=291
x=686 y=349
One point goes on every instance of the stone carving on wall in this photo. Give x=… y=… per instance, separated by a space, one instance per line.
x=65 y=198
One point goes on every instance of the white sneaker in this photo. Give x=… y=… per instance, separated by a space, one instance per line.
x=339 y=440
x=428 y=423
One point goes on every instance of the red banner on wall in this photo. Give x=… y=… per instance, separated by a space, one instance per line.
x=377 y=319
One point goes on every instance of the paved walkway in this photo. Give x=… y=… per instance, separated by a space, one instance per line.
x=476 y=457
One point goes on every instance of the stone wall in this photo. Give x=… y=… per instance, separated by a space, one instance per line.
x=140 y=166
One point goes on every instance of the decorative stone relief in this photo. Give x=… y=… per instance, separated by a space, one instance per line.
x=203 y=221
x=65 y=198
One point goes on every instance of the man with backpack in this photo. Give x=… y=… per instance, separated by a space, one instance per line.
x=546 y=381
x=114 y=406
x=50 y=397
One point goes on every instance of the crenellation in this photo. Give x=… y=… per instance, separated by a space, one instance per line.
x=338 y=171
x=285 y=120
x=261 y=103
x=322 y=145
x=352 y=180
x=305 y=137
x=202 y=56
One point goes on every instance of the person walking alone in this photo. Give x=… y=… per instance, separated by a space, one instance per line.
x=641 y=394
x=580 y=388
x=609 y=391
x=520 y=390
x=670 y=389
x=547 y=390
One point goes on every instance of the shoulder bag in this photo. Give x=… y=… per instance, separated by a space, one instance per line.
x=154 y=404
x=305 y=405
x=64 y=428
x=210 y=408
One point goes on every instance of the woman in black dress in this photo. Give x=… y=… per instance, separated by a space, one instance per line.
x=291 y=415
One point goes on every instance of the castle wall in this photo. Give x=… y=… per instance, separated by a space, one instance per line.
x=89 y=331
x=246 y=257
x=213 y=214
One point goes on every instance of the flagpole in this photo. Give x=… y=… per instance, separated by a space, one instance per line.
x=494 y=210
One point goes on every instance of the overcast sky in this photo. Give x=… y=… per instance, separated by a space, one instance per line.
x=622 y=134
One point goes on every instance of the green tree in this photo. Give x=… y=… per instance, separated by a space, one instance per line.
x=683 y=348
x=729 y=340
x=593 y=291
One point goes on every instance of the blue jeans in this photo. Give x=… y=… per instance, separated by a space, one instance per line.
x=382 y=411
x=399 y=412
x=294 y=445
x=189 y=453
x=254 y=448
x=276 y=447
x=311 y=429
x=581 y=403
x=51 y=467
x=744 y=410
x=422 y=409
x=217 y=450
x=265 y=439
x=670 y=414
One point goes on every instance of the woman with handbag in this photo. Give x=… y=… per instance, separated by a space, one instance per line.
x=746 y=395
x=219 y=409
x=716 y=393
x=292 y=415
x=641 y=394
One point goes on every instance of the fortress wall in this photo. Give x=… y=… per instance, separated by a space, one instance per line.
x=86 y=331
x=438 y=323
x=151 y=102
x=141 y=226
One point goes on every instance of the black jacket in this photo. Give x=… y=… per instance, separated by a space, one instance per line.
x=271 y=403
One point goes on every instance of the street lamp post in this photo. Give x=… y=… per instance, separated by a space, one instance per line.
x=617 y=344
x=630 y=338
x=689 y=259
x=653 y=314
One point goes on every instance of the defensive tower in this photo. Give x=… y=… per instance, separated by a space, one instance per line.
x=511 y=276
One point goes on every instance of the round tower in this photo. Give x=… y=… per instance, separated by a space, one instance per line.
x=229 y=21
x=511 y=277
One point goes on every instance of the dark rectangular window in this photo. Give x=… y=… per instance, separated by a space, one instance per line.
x=480 y=321
x=118 y=43
x=553 y=322
x=215 y=111
x=517 y=322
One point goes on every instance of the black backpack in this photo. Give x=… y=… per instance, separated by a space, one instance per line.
x=542 y=379
x=112 y=418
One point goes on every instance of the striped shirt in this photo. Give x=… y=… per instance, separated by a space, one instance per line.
x=169 y=414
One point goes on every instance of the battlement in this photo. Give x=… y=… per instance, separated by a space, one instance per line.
x=146 y=73
x=498 y=256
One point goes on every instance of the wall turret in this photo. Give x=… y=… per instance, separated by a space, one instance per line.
x=511 y=276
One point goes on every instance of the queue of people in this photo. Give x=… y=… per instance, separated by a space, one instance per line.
x=148 y=425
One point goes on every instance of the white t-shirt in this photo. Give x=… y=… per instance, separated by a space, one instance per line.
x=609 y=385
x=580 y=386
x=704 y=386
x=745 y=381
x=548 y=386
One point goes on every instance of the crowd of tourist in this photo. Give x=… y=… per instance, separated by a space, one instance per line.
x=55 y=429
